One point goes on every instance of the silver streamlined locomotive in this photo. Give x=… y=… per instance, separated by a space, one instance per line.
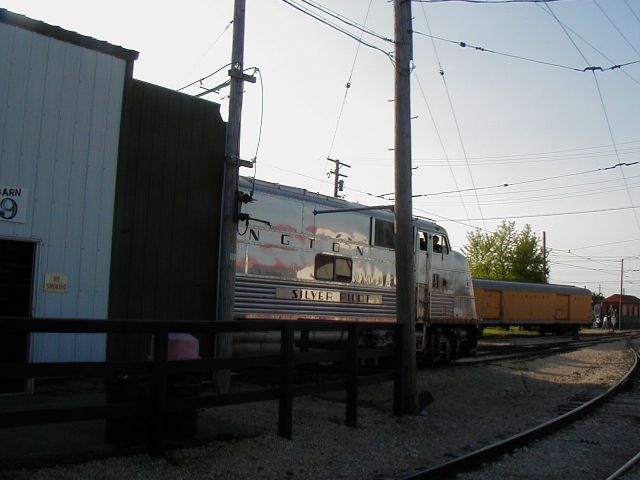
x=305 y=256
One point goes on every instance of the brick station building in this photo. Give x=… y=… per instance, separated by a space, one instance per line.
x=630 y=309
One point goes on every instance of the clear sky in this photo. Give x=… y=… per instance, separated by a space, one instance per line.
x=537 y=123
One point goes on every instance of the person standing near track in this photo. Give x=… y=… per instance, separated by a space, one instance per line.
x=605 y=322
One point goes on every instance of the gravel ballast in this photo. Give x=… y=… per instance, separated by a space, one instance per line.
x=472 y=405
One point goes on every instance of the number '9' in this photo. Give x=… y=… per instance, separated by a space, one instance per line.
x=8 y=208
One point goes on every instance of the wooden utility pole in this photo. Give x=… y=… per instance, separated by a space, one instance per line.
x=621 y=292
x=337 y=185
x=405 y=264
x=230 y=196
x=544 y=256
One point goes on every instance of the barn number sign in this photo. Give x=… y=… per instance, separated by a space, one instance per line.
x=13 y=204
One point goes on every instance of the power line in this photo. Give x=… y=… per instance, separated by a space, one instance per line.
x=362 y=27
x=487 y=1
x=560 y=187
x=632 y=11
x=523 y=182
x=608 y=272
x=200 y=80
x=532 y=60
x=606 y=116
x=624 y=71
x=332 y=25
x=520 y=158
x=208 y=49
x=462 y=145
x=616 y=27
x=607 y=244
x=592 y=258
x=604 y=110
x=558 y=214
x=348 y=84
x=507 y=160
x=444 y=150
x=546 y=198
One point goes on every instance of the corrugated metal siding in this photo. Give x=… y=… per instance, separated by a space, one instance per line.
x=60 y=107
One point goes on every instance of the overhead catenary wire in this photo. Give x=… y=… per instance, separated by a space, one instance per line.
x=520 y=158
x=433 y=121
x=200 y=80
x=604 y=110
x=332 y=25
x=600 y=52
x=616 y=27
x=444 y=151
x=348 y=84
x=360 y=26
x=632 y=11
x=606 y=244
x=459 y=132
x=545 y=198
x=487 y=1
x=537 y=180
x=558 y=214
x=532 y=60
x=546 y=189
x=207 y=50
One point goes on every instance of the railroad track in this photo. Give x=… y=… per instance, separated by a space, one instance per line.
x=620 y=402
x=490 y=353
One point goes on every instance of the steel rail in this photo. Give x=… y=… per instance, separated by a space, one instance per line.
x=635 y=460
x=531 y=350
x=490 y=452
x=625 y=468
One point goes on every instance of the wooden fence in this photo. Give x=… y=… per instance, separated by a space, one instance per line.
x=160 y=370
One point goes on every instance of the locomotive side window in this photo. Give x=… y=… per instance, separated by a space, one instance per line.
x=337 y=269
x=423 y=241
x=440 y=244
x=385 y=235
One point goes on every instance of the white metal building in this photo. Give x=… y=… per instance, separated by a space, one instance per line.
x=61 y=98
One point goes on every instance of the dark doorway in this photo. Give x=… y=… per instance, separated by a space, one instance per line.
x=16 y=285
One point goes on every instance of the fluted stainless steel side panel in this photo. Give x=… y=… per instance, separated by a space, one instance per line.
x=257 y=296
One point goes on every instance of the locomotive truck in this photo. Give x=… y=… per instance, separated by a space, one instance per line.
x=306 y=256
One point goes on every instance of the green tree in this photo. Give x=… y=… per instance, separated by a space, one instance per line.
x=596 y=298
x=506 y=254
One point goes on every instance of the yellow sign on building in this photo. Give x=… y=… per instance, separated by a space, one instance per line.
x=56 y=282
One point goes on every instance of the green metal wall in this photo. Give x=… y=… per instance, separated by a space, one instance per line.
x=167 y=210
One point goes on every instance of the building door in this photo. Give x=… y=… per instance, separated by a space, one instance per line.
x=16 y=286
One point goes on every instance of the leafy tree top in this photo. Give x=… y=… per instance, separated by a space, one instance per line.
x=506 y=254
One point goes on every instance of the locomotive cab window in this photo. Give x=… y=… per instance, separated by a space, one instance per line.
x=440 y=244
x=384 y=234
x=330 y=268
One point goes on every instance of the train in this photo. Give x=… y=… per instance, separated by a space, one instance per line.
x=546 y=308
x=306 y=256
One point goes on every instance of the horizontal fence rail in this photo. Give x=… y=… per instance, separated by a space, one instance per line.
x=159 y=373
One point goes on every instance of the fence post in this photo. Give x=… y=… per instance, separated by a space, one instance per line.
x=159 y=390
x=397 y=377
x=352 y=375
x=304 y=347
x=285 y=417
